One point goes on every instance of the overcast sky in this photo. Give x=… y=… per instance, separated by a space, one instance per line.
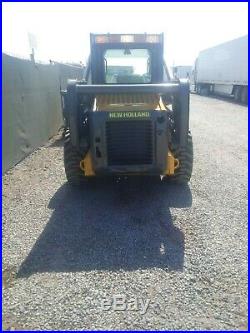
x=62 y=29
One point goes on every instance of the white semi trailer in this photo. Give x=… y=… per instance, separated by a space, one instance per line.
x=223 y=70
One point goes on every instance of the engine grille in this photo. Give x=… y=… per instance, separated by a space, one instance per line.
x=129 y=142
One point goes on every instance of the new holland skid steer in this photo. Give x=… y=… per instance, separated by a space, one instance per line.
x=127 y=117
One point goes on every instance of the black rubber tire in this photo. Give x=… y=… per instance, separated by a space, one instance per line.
x=237 y=94
x=198 y=89
x=244 y=95
x=72 y=158
x=185 y=156
x=205 y=91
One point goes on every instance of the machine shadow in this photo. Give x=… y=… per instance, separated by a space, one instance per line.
x=111 y=226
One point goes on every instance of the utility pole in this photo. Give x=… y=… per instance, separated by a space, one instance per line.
x=33 y=45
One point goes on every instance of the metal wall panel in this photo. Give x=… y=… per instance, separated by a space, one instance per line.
x=31 y=109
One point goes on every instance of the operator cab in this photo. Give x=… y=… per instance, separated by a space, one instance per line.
x=126 y=59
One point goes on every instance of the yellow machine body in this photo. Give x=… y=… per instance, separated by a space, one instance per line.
x=129 y=102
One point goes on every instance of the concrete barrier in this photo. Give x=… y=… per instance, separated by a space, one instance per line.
x=31 y=105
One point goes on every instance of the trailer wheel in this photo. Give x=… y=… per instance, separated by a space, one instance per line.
x=72 y=158
x=198 y=89
x=205 y=90
x=185 y=155
x=237 y=94
x=244 y=95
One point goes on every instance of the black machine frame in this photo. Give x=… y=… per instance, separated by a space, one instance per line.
x=179 y=92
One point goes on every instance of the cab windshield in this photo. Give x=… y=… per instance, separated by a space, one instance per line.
x=124 y=66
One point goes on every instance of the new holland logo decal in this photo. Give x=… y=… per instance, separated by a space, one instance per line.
x=128 y=114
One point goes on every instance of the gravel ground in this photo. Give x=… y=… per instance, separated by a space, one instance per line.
x=184 y=249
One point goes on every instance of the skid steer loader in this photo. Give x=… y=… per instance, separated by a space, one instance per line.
x=127 y=117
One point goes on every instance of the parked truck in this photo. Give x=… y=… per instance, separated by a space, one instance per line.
x=223 y=70
x=182 y=72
